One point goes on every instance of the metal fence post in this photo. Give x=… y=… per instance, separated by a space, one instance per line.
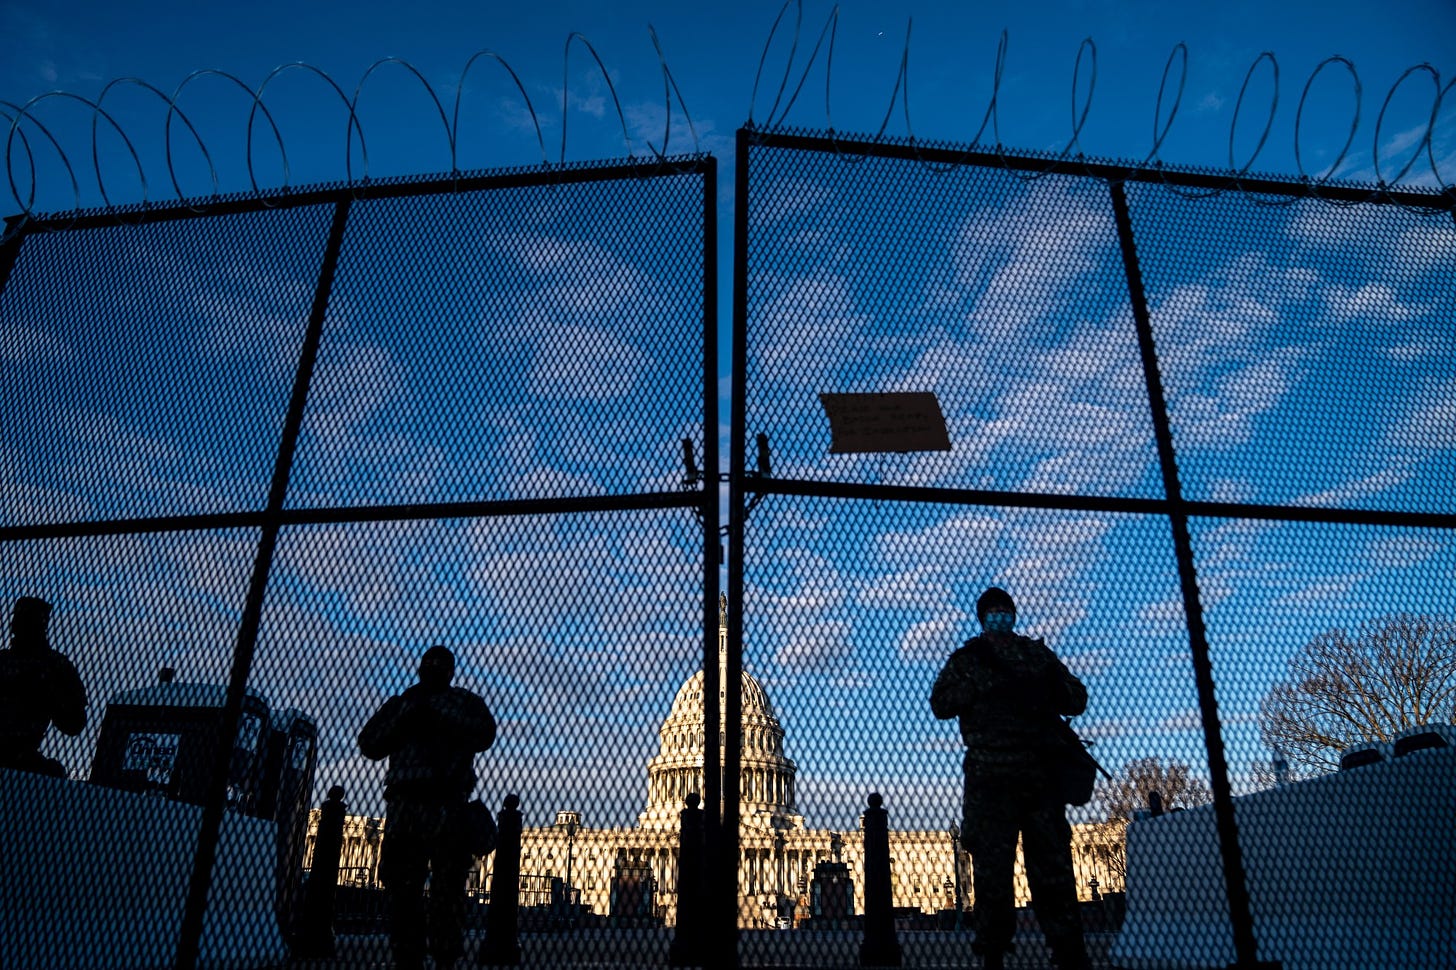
x=501 y=946
x=1241 y=916
x=189 y=939
x=312 y=934
x=880 y=947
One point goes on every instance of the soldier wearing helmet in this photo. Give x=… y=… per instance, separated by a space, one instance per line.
x=1008 y=692
x=430 y=734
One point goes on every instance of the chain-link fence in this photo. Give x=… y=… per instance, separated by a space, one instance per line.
x=1201 y=431
x=259 y=457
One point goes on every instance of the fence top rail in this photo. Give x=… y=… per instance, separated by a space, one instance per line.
x=1193 y=182
x=394 y=187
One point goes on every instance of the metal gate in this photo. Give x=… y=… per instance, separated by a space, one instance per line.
x=276 y=447
x=1196 y=424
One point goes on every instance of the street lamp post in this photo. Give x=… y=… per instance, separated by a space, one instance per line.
x=955 y=865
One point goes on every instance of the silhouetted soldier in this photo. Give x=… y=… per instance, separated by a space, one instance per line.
x=1008 y=691
x=430 y=734
x=38 y=687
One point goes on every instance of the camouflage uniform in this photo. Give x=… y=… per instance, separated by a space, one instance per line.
x=38 y=687
x=1007 y=690
x=430 y=735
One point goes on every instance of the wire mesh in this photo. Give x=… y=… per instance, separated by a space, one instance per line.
x=149 y=365
x=1305 y=354
x=490 y=458
x=1306 y=364
x=884 y=275
x=524 y=343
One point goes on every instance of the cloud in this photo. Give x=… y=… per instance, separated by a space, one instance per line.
x=25 y=343
x=1330 y=590
x=823 y=647
x=1431 y=424
x=1370 y=244
x=932 y=640
x=922 y=587
x=594 y=104
x=1091 y=664
x=22 y=501
x=808 y=330
x=647 y=121
x=1017 y=272
x=1396 y=151
x=562 y=370
x=1359 y=489
x=1371 y=303
x=1048 y=573
x=1185 y=720
x=1402 y=551
x=795 y=201
x=1411 y=353
x=1220 y=369
x=1164 y=613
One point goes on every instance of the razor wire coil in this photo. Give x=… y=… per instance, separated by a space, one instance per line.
x=27 y=131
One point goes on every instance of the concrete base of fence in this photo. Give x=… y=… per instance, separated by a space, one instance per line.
x=1350 y=870
x=96 y=877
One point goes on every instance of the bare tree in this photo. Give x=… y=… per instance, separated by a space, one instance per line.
x=1127 y=791
x=1396 y=672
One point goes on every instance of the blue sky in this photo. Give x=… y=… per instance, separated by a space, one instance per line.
x=856 y=611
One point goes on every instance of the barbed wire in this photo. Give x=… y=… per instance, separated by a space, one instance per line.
x=1153 y=161
x=27 y=131
x=25 y=124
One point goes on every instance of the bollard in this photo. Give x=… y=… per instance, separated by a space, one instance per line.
x=500 y=947
x=313 y=930
x=687 y=941
x=880 y=947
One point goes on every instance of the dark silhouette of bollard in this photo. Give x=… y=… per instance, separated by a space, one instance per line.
x=880 y=947
x=687 y=941
x=501 y=947
x=313 y=930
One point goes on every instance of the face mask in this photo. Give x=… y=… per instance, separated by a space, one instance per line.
x=999 y=622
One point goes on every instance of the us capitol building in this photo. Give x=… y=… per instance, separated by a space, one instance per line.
x=784 y=865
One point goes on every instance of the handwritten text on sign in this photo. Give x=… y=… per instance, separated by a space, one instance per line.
x=869 y=423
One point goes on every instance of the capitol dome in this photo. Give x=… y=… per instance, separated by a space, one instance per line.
x=767 y=775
